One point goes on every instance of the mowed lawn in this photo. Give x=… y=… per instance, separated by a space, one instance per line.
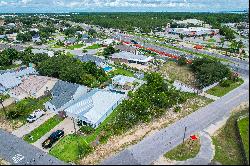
x=71 y=148
x=43 y=129
x=228 y=150
x=220 y=91
x=243 y=125
x=176 y=72
x=67 y=149
x=120 y=71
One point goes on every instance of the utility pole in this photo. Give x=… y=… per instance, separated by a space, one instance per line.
x=184 y=135
x=1 y=101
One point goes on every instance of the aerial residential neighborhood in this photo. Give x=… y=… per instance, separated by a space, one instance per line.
x=124 y=82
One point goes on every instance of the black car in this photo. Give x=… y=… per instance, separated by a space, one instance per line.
x=134 y=42
x=55 y=136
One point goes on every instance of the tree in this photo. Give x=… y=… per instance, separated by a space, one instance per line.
x=181 y=36
x=24 y=37
x=108 y=51
x=222 y=41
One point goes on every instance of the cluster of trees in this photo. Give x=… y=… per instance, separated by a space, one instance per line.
x=150 y=21
x=24 y=37
x=60 y=66
x=208 y=71
x=227 y=32
x=151 y=100
x=7 y=56
x=72 y=70
x=107 y=51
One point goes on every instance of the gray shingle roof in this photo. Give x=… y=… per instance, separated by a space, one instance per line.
x=62 y=93
x=87 y=58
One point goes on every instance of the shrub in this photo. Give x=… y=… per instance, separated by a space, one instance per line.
x=225 y=83
x=87 y=129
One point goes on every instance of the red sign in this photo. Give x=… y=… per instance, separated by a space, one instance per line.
x=194 y=137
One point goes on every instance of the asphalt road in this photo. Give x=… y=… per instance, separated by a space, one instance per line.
x=152 y=147
x=18 y=152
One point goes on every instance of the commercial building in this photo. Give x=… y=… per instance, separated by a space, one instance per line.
x=128 y=57
x=192 y=31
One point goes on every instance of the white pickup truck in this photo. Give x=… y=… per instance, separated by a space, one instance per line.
x=35 y=115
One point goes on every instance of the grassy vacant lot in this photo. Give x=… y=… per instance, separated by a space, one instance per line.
x=94 y=46
x=75 y=46
x=221 y=91
x=176 y=72
x=121 y=71
x=243 y=125
x=43 y=129
x=228 y=149
x=71 y=148
x=184 y=151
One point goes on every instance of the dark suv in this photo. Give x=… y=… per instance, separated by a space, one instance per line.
x=55 y=136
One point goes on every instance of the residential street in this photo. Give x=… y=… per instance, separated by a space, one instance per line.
x=18 y=152
x=152 y=147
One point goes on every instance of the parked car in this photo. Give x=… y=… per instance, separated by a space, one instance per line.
x=35 y=115
x=55 y=136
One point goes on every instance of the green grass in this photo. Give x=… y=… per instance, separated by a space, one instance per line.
x=94 y=46
x=221 y=91
x=67 y=149
x=184 y=151
x=56 y=46
x=120 y=71
x=43 y=129
x=211 y=40
x=9 y=67
x=4 y=97
x=243 y=125
x=227 y=143
x=72 y=47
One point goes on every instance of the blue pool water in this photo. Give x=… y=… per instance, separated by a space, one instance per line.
x=108 y=68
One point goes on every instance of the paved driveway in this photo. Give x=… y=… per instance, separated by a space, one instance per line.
x=154 y=146
x=27 y=128
x=18 y=152
x=66 y=125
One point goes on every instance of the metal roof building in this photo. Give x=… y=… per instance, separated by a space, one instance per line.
x=95 y=106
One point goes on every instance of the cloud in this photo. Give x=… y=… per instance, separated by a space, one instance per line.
x=180 y=5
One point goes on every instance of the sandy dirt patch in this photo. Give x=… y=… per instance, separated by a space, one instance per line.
x=118 y=143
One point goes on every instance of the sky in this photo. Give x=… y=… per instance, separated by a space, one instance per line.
x=55 y=6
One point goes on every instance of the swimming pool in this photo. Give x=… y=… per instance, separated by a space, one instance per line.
x=108 y=68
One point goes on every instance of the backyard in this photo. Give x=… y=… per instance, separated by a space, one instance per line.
x=120 y=71
x=94 y=46
x=72 y=47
